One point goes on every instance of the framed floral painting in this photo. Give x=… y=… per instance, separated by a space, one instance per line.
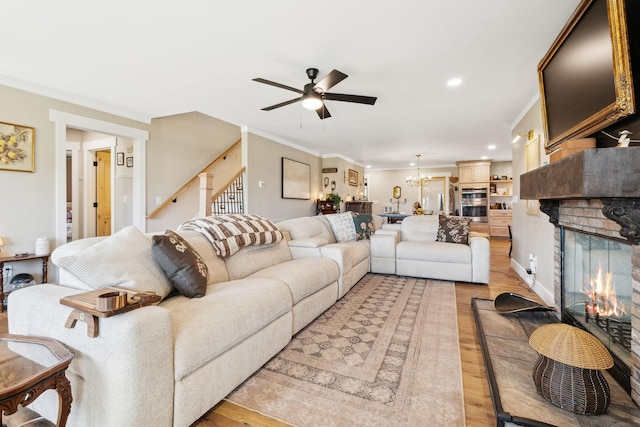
x=17 y=147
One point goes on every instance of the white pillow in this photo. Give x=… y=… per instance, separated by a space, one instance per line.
x=124 y=259
x=342 y=226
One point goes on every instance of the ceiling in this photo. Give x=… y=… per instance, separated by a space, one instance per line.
x=145 y=59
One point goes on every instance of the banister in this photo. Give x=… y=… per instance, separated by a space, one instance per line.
x=174 y=196
x=224 y=187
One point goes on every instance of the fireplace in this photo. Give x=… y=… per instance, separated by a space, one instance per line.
x=596 y=289
x=593 y=199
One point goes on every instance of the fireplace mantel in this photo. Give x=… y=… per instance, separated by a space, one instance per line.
x=609 y=174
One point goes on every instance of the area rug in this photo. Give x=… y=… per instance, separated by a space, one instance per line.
x=387 y=354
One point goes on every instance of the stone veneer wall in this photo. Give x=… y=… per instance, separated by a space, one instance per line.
x=586 y=215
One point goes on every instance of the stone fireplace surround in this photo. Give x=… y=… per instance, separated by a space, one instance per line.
x=596 y=191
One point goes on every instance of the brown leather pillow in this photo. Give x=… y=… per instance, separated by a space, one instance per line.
x=183 y=266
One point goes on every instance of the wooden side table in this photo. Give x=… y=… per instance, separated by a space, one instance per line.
x=28 y=367
x=11 y=259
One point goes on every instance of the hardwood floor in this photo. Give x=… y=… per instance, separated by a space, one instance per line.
x=478 y=408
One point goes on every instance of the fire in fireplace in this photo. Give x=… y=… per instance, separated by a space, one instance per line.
x=597 y=288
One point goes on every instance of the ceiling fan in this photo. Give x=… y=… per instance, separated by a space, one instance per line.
x=314 y=94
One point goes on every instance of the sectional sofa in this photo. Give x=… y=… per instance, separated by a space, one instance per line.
x=168 y=364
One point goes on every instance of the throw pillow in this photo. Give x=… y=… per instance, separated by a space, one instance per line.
x=123 y=259
x=453 y=229
x=364 y=226
x=183 y=266
x=342 y=226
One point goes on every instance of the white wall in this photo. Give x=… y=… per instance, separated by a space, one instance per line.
x=531 y=233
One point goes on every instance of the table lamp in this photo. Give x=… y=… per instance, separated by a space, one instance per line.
x=568 y=372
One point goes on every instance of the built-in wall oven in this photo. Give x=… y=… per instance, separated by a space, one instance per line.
x=475 y=202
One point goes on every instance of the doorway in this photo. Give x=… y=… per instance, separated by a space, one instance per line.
x=103 y=193
x=139 y=137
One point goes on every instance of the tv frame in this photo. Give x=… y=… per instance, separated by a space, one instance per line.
x=624 y=104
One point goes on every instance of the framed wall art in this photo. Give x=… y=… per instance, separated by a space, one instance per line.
x=296 y=179
x=353 y=178
x=129 y=162
x=120 y=159
x=17 y=147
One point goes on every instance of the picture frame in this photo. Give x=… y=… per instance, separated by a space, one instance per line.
x=129 y=162
x=296 y=179
x=17 y=147
x=353 y=178
x=120 y=159
x=532 y=154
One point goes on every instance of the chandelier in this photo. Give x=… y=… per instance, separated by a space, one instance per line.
x=418 y=180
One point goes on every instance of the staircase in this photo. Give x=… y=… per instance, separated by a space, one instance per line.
x=221 y=191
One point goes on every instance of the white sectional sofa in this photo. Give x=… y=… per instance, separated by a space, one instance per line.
x=313 y=237
x=168 y=364
x=415 y=252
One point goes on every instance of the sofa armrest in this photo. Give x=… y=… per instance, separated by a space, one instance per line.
x=480 y=259
x=383 y=251
x=128 y=366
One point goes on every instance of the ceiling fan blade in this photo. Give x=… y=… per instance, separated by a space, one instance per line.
x=370 y=100
x=282 y=104
x=281 y=86
x=323 y=113
x=330 y=80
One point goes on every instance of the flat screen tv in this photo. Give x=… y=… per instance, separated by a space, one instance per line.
x=585 y=77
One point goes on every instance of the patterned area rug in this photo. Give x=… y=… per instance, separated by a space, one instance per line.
x=386 y=354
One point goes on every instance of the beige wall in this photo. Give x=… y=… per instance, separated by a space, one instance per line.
x=179 y=147
x=343 y=187
x=264 y=164
x=531 y=233
x=27 y=207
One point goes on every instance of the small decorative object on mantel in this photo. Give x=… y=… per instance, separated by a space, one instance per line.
x=568 y=370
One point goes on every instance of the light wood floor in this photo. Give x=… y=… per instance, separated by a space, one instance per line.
x=478 y=408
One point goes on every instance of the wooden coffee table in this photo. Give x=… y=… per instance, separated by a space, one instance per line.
x=28 y=367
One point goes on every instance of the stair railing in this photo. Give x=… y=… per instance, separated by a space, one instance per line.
x=174 y=197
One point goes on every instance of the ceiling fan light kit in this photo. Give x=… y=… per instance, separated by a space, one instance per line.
x=314 y=94
x=311 y=101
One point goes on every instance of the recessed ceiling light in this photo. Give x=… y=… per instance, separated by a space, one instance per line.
x=491 y=147
x=368 y=166
x=454 y=82
x=412 y=164
x=484 y=157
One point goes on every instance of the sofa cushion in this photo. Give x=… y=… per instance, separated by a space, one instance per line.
x=215 y=264
x=254 y=258
x=229 y=313
x=434 y=251
x=307 y=227
x=453 y=229
x=364 y=226
x=183 y=266
x=304 y=276
x=342 y=226
x=123 y=259
x=419 y=228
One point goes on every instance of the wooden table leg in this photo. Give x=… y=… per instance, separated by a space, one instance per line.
x=63 y=387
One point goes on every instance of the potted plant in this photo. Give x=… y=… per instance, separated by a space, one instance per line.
x=335 y=200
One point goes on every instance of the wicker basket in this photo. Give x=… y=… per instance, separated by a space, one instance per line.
x=579 y=390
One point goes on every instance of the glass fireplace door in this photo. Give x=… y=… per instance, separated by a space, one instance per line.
x=597 y=287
